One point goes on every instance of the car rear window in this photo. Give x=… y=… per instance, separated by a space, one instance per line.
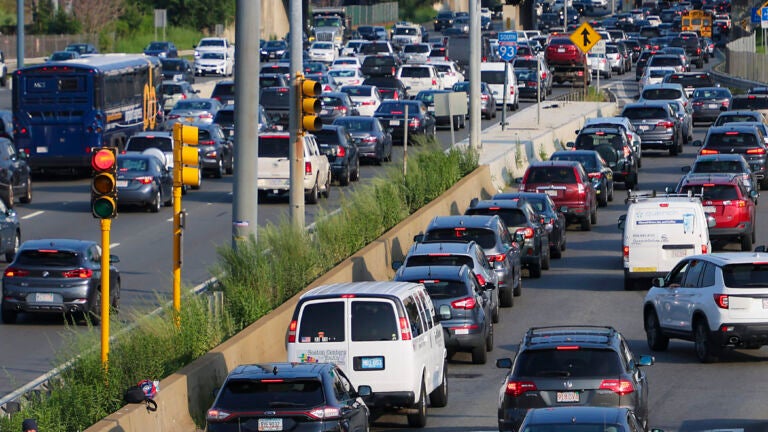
x=225 y=117
x=486 y=238
x=511 y=216
x=665 y=61
x=355 y=125
x=749 y=275
x=731 y=140
x=275 y=97
x=373 y=321
x=573 y=363
x=439 y=260
x=330 y=101
x=662 y=94
x=378 y=61
x=322 y=322
x=692 y=80
x=173 y=65
x=713 y=192
x=717 y=167
x=588 y=162
x=551 y=175
x=750 y=103
x=139 y=143
x=265 y=82
x=644 y=113
x=580 y=427
x=273 y=147
x=128 y=164
x=415 y=72
x=443 y=289
x=492 y=76
x=172 y=89
x=416 y=49
x=247 y=394
x=327 y=136
x=224 y=89
x=723 y=119
x=48 y=258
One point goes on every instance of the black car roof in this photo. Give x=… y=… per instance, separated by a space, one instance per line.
x=281 y=370
x=442 y=272
x=67 y=244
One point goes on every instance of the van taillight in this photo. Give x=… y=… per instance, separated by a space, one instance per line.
x=405 y=331
x=704 y=249
x=625 y=251
x=292 y=331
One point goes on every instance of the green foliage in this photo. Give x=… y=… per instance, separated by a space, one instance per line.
x=543 y=153
x=258 y=276
x=205 y=14
x=134 y=38
x=416 y=11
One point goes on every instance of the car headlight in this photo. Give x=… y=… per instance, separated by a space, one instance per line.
x=197 y=53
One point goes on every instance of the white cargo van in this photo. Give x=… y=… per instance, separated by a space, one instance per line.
x=382 y=334
x=659 y=231
x=492 y=73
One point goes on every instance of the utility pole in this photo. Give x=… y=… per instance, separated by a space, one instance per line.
x=296 y=146
x=245 y=209
x=19 y=34
x=474 y=74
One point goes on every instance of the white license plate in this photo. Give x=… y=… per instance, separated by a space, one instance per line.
x=644 y=127
x=567 y=396
x=461 y=331
x=522 y=85
x=270 y=424
x=712 y=106
x=43 y=298
x=323 y=112
x=277 y=182
x=765 y=303
x=122 y=183
x=679 y=253
x=42 y=149
x=394 y=122
x=551 y=192
x=709 y=209
x=561 y=50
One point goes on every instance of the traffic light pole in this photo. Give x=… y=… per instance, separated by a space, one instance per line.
x=296 y=150
x=106 y=225
x=177 y=238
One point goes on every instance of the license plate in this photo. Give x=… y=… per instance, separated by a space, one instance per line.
x=680 y=253
x=644 y=128
x=372 y=363
x=277 y=182
x=461 y=331
x=522 y=85
x=270 y=424
x=643 y=269
x=709 y=209
x=394 y=122
x=43 y=298
x=712 y=106
x=323 y=112
x=122 y=183
x=190 y=119
x=567 y=396
x=561 y=50
x=551 y=192
x=42 y=149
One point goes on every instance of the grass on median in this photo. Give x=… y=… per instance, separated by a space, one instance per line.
x=255 y=282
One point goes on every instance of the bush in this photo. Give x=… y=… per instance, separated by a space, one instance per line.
x=258 y=276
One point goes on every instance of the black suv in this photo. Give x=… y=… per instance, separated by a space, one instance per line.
x=549 y=215
x=380 y=65
x=520 y=218
x=337 y=145
x=597 y=170
x=745 y=140
x=568 y=366
x=224 y=92
x=692 y=49
x=614 y=148
x=444 y=20
x=282 y=396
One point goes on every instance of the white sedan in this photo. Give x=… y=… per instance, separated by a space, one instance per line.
x=323 y=52
x=346 y=76
x=448 y=71
x=366 y=98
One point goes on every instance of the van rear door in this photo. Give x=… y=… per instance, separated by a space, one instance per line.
x=661 y=234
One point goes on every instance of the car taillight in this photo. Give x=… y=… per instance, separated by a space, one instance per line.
x=704 y=249
x=756 y=151
x=405 y=331
x=517 y=388
x=324 y=413
x=183 y=96
x=496 y=258
x=708 y=151
x=343 y=109
x=531 y=84
x=721 y=300
x=581 y=188
x=341 y=151
x=666 y=124
x=217 y=415
x=595 y=175
x=697 y=103
x=625 y=251
x=618 y=386
x=173 y=116
x=543 y=75
x=144 y=180
x=369 y=139
x=467 y=303
x=740 y=203
x=205 y=116
x=81 y=273
x=434 y=81
x=484 y=97
x=480 y=279
x=307 y=167
x=368 y=102
x=14 y=272
x=414 y=122
x=527 y=232
x=292 y=331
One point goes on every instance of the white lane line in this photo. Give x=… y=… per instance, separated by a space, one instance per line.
x=114 y=245
x=169 y=219
x=33 y=214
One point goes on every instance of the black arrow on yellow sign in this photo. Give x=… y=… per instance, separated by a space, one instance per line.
x=585 y=34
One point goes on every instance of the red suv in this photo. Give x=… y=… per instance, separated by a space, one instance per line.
x=562 y=51
x=732 y=204
x=568 y=185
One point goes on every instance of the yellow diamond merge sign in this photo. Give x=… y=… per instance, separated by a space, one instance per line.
x=585 y=37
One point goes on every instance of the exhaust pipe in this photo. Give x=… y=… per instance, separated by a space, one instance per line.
x=733 y=340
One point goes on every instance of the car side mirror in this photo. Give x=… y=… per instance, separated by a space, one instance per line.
x=504 y=363
x=658 y=282
x=518 y=180
x=711 y=222
x=418 y=238
x=473 y=202
x=753 y=194
x=697 y=143
x=114 y=259
x=646 y=360
x=519 y=237
x=444 y=313
x=396 y=265
x=622 y=222
x=563 y=209
x=364 y=390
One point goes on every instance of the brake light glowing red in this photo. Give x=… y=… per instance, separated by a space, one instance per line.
x=708 y=151
x=480 y=279
x=144 y=180
x=721 y=300
x=14 y=272
x=568 y=347
x=666 y=124
x=496 y=258
x=81 y=273
x=307 y=167
x=405 y=331
x=324 y=413
x=517 y=388
x=467 y=303
x=625 y=251
x=618 y=386
x=731 y=133
x=704 y=249
x=595 y=175
x=759 y=150
x=292 y=331
x=527 y=232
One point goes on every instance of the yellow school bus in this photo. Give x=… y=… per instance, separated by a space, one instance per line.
x=698 y=21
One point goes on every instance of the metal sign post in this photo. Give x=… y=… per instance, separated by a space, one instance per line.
x=598 y=49
x=507 y=51
x=405 y=143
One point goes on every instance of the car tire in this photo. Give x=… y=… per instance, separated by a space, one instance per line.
x=657 y=341
x=219 y=172
x=156 y=203
x=602 y=200
x=345 y=177
x=115 y=305
x=555 y=252
x=706 y=351
x=356 y=173
x=593 y=217
x=419 y=419
x=9 y=316
x=746 y=243
x=456 y=124
x=585 y=225
x=11 y=254
x=764 y=184
x=27 y=197
x=439 y=396
x=673 y=150
x=94 y=309
x=535 y=269
x=479 y=355
x=312 y=196
x=489 y=340
x=505 y=298
x=11 y=197
x=231 y=166
x=545 y=262
x=169 y=201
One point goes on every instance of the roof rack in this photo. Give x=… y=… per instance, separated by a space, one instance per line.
x=591 y=329
x=636 y=196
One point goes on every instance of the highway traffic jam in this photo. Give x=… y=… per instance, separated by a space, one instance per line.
x=362 y=354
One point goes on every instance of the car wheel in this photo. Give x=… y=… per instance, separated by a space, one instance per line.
x=489 y=340
x=419 y=419
x=545 y=261
x=555 y=252
x=495 y=316
x=593 y=217
x=11 y=196
x=439 y=396
x=27 y=197
x=535 y=269
x=11 y=254
x=746 y=243
x=312 y=196
x=219 y=173
x=345 y=177
x=94 y=308
x=479 y=355
x=356 y=172
x=327 y=191
x=764 y=184
x=9 y=316
x=456 y=124
x=610 y=195
x=585 y=225
x=505 y=298
x=116 y=301
x=673 y=151
x=518 y=290
x=602 y=200
x=706 y=351
x=156 y=203
x=653 y=335
x=169 y=201
x=231 y=166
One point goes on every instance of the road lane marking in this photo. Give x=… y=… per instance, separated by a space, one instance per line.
x=114 y=245
x=33 y=214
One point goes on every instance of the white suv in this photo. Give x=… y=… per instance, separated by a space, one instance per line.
x=718 y=301
x=275 y=168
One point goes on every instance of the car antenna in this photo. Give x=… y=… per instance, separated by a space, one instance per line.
x=274 y=370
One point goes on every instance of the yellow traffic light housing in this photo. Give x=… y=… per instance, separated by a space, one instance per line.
x=104 y=182
x=186 y=158
x=310 y=106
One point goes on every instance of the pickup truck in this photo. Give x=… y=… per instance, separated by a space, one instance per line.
x=274 y=169
x=567 y=62
x=214 y=44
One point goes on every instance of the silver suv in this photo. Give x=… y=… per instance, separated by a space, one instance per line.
x=718 y=301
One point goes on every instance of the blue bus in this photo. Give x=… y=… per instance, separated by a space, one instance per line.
x=63 y=109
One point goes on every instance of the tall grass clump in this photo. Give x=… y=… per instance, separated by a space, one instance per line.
x=257 y=277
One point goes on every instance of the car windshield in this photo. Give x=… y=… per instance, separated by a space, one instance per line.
x=273 y=147
x=140 y=143
x=397 y=108
x=343 y=73
x=212 y=56
x=692 y=80
x=276 y=44
x=486 y=238
x=322 y=46
x=749 y=275
x=157 y=46
x=173 y=65
x=578 y=363
x=665 y=61
x=126 y=165
x=439 y=260
x=245 y=394
x=212 y=43
x=711 y=93
x=48 y=258
x=416 y=48
x=492 y=76
x=61 y=56
x=356 y=125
